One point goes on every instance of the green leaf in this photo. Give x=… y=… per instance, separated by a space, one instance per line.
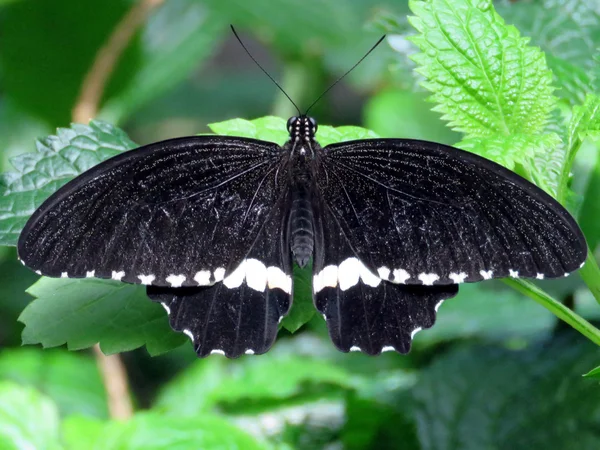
x=151 y=431
x=58 y=159
x=302 y=310
x=71 y=380
x=175 y=39
x=487 y=311
x=82 y=313
x=273 y=129
x=28 y=419
x=510 y=150
x=594 y=373
x=486 y=397
x=82 y=432
x=278 y=377
x=585 y=121
x=484 y=77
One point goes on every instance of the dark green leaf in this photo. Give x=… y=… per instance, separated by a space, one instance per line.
x=28 y=419
x=58 y=159
x=486 y=397
x=594 y=373
x=302 y=309
x=82 y=313
x=71 y=380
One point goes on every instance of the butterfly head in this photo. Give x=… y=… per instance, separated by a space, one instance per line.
x=302 y=129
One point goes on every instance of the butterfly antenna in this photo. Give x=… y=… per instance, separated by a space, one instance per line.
x=350 y=70
x=265 y=72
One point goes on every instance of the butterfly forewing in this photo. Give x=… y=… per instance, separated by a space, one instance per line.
x=183 y=212
x=417 y=212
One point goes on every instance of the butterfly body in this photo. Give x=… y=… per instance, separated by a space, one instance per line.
x=212 y=225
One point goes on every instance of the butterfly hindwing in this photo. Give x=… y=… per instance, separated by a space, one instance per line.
x=364 y=312
x=182 y=212
x=418 y=212
x=241 y=313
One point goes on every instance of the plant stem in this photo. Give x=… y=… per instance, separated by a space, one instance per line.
x=590 y=273
x=557 y=308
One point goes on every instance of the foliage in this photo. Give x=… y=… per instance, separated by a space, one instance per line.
x=516 y=82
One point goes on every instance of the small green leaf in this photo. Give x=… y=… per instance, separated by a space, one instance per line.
x=486 y=397
x=82 y=432
x=302 y=307
x=58 y=159
x=274 y=129
x=594 y=373
x=585 y=121
x=28 y=419
x=484 y=76
x=82 y=313
x=510 y=150
x=151 y=431
x=71 y=380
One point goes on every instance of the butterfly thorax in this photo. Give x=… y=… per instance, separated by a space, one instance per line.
x=302 y=131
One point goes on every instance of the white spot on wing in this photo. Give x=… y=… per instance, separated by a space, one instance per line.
x=90 y=274
x=513 y=273
x=355 y=348
x=64 y=275
x=256 y=274
x=235 y=278
x=387 y=348
x=384 y=273
x=146 y=279
x=566 y=274
x=416 y=330
x=487 y=275
x=436 y=307
x=328 y=277
x=277 y=278
x=189 y=334
x=458 y=277
x=202 y=278
x=167 y=309
x=400 y=276
x=428 y=278
x=21 y=261
x=540 y=276
x=368 y=277
x=175 y=280
x=217 y=352
x=582 y=264
x=349 y=273
x=117 y=275
x=249 y=352
x=39 y=272
x=219 y=274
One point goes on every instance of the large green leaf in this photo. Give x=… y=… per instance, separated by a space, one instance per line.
x=71 y=380
x=494 y=398
x=82 y=313
x=151 y=431
x=484 y=76
x=57 y=160
x=28 y=419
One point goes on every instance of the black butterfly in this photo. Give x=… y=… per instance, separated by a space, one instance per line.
x=212 y=224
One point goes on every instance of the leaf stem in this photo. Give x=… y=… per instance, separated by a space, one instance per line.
x=590 y=273
x=557 y=308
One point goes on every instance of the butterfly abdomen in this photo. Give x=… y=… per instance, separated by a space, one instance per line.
x=301 y=221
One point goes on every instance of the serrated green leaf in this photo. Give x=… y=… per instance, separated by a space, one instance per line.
x=151 y=431
x=486 y=397
x=71 y=380
x=585 y=121
x=302 y=307
x=573 y=81
x=81 y=313
x=484 y=76
x=510 y=150
x=28 y=419
x=274 y=129
x=58 y=159
x=279 y=377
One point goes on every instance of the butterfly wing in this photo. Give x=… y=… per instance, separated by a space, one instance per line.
x=402 y=222
x=182 y=212
x=419 y=212
x=241 y=314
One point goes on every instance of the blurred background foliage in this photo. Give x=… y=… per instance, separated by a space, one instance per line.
x=497 y=371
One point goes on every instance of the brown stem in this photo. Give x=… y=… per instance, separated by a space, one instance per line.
x=111 y=367
x=94 y=83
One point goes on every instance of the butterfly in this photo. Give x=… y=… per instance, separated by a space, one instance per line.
x=213 y=224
